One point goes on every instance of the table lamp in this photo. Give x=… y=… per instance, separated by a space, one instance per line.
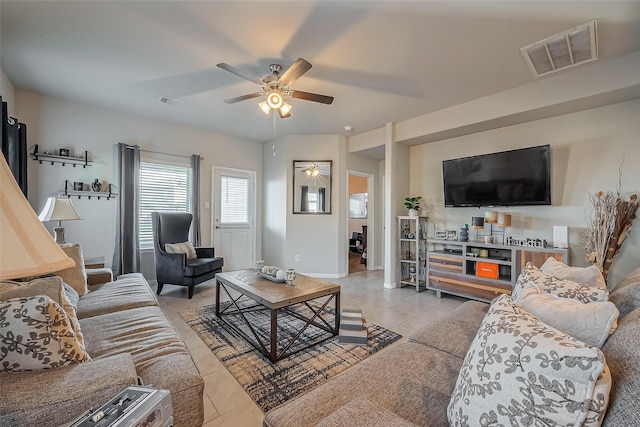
x=26 y=247
x=59 y=209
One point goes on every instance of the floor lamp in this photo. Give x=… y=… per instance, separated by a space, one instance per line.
x=26 y=248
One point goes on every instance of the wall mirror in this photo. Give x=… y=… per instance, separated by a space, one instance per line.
x=312 y=187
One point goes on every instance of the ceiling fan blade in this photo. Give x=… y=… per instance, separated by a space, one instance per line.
x=242 y=98
x=294 y=72
x=239 y=72
x=312 y=97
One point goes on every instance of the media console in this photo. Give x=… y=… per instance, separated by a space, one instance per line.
x=480 y=271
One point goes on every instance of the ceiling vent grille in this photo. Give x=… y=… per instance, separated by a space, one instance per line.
x=171 y=101
x=564 y=50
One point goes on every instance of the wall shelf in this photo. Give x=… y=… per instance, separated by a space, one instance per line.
x=64 y=160
x=68 y=192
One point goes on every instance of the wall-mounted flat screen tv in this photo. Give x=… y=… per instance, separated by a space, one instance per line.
x=507 y=178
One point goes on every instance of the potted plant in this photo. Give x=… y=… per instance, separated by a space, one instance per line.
x=413 y=204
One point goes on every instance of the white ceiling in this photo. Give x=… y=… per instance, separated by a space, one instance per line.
x=383 y=61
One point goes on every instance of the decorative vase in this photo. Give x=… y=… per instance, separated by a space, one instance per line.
x=413 y=212
x=464 y=234
x=96 y=185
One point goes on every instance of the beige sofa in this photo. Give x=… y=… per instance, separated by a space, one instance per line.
x=130 y=341
x=411 y=383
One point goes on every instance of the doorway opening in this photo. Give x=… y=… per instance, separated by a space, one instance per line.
x=359 y=229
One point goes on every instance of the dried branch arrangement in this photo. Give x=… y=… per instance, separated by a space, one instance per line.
x=612 y=215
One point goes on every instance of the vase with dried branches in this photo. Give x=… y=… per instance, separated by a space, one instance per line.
x=609 y=224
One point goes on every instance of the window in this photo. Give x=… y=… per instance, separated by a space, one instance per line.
x=162 y=188
x=234 y=196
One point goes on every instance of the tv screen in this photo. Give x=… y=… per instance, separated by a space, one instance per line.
x=507 y=178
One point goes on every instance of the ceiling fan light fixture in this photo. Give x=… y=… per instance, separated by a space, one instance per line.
x=285 y=109
x=274 y=99
x=264 y=106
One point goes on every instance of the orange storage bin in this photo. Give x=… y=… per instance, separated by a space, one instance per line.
x=487 y=269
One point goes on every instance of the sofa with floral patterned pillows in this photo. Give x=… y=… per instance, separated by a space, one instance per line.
x=561 y=350
x=67 y=346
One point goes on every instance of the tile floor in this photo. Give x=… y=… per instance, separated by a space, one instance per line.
x=225 y=402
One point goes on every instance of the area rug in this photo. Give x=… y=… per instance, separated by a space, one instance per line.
x=270 y=384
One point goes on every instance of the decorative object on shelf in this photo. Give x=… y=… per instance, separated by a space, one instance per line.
x=413 y=204
x=488 y=239
x=289 y=277
x=464 y=233
x=64 y=152
x=484 y=253
x=528 y=242
x=27 y=248
x=59 y=209
x=442 y=235
x=452 y=235
x=504 y=221
x=408 y=255
x=490 y=217
x=412 y=273
x=78 y=186
x=612 y=215
x=411 y=235
x=96 y=185
x=405 y=232
x=477 y=222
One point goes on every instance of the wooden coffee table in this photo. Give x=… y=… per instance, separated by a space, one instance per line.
x=275 y=297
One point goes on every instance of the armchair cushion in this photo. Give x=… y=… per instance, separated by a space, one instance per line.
x=181 y=248
x=200 y=266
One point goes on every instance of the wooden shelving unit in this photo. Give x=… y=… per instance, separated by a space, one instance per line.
x=452 y=266
x=412 y=251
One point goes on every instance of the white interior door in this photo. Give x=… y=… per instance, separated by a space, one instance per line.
x=234 y=217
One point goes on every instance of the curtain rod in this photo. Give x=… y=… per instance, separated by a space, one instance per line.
x=166 y=154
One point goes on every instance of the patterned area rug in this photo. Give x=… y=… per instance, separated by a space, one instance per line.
x=270 y=384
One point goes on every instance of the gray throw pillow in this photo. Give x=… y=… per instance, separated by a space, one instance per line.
x=626 y=295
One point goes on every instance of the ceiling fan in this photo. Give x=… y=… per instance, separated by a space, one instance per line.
x=276 y=87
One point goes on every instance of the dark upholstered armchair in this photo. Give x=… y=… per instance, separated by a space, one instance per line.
x=176 y=268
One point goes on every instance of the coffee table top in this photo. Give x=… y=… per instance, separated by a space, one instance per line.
x=276 y=295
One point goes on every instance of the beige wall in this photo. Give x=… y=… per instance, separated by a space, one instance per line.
x=586 y=150
x=8 y=92
x=54 y=123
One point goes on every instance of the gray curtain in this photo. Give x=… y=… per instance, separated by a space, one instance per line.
x=126 y=256
x=321 y=199
x=304 y=203
x=195 y=200
x=14 y=146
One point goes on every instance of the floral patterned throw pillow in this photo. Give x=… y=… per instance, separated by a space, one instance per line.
x=520 y=371
x=531 y=275
x=35 y=333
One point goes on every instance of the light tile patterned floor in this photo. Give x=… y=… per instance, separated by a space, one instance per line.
x=226 y=403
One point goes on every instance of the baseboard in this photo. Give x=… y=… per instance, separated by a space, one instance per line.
x=390 y=285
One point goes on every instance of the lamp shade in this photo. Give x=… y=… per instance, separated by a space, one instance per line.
x=59 y=209
x=477 y=222
x=491 y=217
x=26 y=247
x=504 y=219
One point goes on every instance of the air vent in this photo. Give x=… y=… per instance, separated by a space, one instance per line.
x=171 y=101
x=568 y=49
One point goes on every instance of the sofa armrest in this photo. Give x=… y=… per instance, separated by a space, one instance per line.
x=205 y=252
x=58 y=396
x=97 y=276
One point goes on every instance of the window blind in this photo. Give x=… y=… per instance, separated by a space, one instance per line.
x=162 y=188
x=234 y=196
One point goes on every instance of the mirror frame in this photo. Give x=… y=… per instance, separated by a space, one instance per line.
x=298 y=165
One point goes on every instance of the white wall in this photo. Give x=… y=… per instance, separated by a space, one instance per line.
x=8 y=92
x=54 y=123
x=586 y=150
x=318 y=239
